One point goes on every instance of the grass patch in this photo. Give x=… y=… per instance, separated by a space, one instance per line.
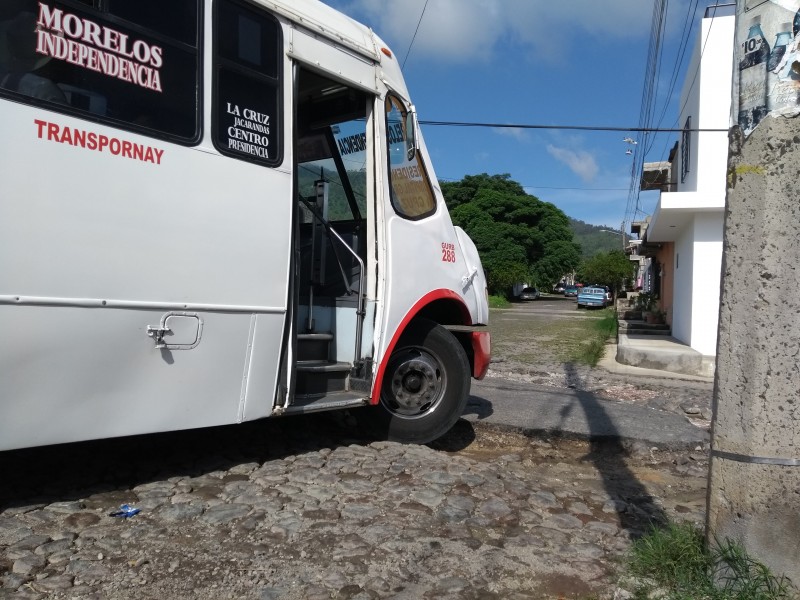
x=673 y=563
x=591 y=350
x=498 y=302
x=540 y=339
x=607 y=324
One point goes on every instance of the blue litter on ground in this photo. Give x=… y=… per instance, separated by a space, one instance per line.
x=125 y=512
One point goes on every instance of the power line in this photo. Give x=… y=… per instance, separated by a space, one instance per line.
x=403 y=66
x=659 y=63
x=686 y=34
x=694 y=77
x=636 y=210
x=568 y=127
x=657 y=27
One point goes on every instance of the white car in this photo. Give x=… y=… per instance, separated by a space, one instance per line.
x=529 y=293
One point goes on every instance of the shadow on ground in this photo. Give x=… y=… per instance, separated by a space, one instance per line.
x=67 y=472
x=635 y=507
x=73 y=471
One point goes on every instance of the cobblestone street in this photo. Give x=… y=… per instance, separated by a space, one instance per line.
x=300 y=508
x=303 y=508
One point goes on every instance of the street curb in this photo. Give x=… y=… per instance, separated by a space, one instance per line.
x=609 y=363
x=539 y=411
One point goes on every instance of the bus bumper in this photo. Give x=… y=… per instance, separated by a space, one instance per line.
x=482 y=353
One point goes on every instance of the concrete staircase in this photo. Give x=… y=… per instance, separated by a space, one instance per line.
x=651 y=346
x=631 y=322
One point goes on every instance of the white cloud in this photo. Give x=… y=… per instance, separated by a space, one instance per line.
x=580 y=162
x=451 y=30
x=462 y=31
x=519 y=134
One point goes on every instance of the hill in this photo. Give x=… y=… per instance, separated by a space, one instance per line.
x=595 y=238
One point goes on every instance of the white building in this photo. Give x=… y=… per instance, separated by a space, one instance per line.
x=687 y=225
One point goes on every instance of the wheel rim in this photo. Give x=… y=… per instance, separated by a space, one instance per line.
x=416 y=384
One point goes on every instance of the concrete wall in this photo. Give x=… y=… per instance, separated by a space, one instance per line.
x=713 y=109
x=698 y=243
x=666 y=257
x=684 y=286
x=754 y=485
x=707 y=234
x=706 y=97
x=691 y=281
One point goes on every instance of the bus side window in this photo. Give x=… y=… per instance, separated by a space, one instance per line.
x=247 y=83
x=410 y=187
x=19 y=61
x=126 y=69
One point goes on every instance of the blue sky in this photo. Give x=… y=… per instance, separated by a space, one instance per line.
x=539 y=62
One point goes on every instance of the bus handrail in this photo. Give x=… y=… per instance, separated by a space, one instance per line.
x=361 y=272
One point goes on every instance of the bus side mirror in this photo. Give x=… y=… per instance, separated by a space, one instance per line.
x=411 y=135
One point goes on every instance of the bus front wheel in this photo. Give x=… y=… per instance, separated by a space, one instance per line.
x=425 y=386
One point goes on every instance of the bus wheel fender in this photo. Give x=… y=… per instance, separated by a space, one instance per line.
x=425 y=387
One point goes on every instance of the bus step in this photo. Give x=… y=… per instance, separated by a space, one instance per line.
x=317 y=403
x=360 y=385
x=321 y=377
x=313 y=346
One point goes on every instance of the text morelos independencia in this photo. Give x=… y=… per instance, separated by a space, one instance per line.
x=97 y=141
x=84 y=43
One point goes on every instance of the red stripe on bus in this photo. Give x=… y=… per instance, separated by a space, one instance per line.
x=418 y=306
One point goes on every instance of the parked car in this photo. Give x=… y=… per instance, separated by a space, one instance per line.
x=607 y=290
x=559 y=288
x=592 y=296
x=529 y=293
x=571 y=291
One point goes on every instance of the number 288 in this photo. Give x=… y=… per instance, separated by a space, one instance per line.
x=448 y=252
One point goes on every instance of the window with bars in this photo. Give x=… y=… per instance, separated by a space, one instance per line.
x=686 y=148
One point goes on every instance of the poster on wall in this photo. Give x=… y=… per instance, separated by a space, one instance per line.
x=767 y=80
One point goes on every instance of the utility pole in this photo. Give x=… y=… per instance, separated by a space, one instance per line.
x=754 y=478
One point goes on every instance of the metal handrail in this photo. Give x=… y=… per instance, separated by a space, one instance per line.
x=361 y=273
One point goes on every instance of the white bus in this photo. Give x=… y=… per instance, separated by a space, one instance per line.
x=215 y=211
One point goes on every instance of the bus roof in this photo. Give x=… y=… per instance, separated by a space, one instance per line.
x=330 y=23
x=333 y=25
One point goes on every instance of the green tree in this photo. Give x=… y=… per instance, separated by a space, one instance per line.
x=610 y=268
x=520 y=238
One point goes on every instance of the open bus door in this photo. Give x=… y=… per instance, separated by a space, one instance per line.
x=334 y=306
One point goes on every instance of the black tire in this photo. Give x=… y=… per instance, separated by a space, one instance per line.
x=425 y=387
